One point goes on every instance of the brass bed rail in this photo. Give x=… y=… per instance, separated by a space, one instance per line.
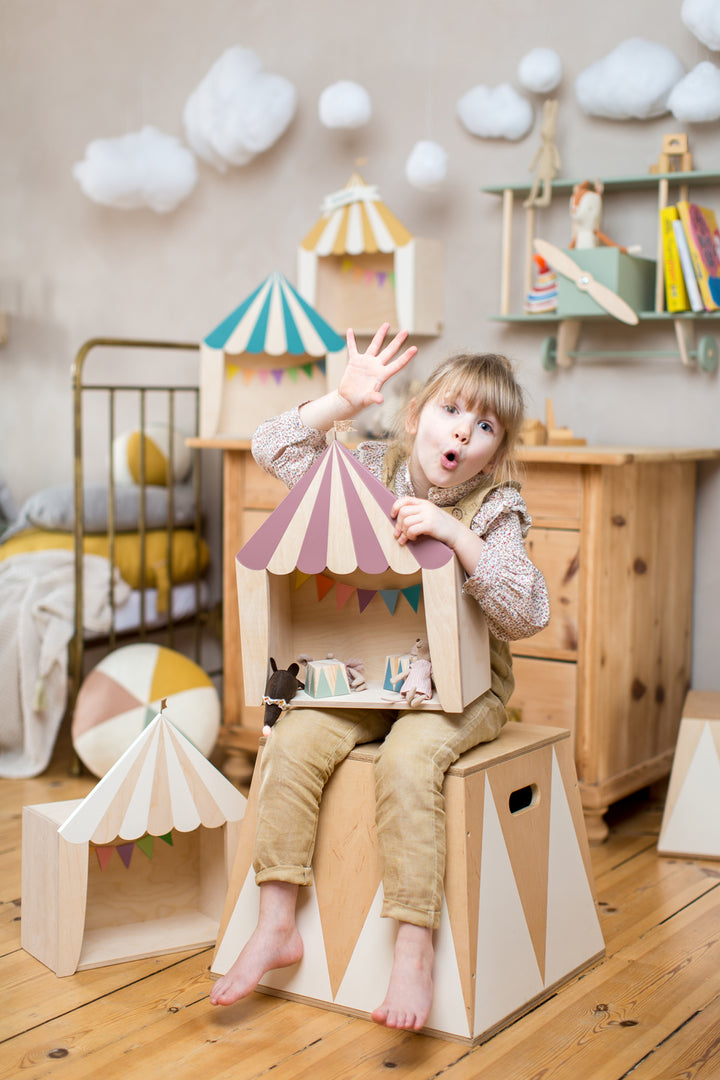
x=80 y=387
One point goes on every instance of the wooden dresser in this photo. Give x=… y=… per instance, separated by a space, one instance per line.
x=614 y=535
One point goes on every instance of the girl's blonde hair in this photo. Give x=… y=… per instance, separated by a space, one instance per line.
x=486 y=381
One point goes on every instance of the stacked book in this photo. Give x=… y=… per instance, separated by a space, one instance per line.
x=691 y=257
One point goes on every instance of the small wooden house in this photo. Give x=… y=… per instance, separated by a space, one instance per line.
x=361 y=267
x=274 y=346
x=324 y=574
x=137 y=868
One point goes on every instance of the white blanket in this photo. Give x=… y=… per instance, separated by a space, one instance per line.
x=37 y=599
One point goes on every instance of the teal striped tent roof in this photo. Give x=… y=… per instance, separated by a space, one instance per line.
x=275 y=320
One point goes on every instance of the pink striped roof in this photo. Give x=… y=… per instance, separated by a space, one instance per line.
x=337 y=517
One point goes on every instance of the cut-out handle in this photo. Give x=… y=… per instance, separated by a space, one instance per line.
x=523 y=798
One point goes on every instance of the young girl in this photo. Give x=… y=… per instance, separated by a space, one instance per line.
x=452 y=472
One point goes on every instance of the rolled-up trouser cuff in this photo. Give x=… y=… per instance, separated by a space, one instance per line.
x=293 y=875
x=392 y=910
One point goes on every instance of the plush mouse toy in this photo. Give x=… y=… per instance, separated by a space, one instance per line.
x=417 y=684
x=280 y=689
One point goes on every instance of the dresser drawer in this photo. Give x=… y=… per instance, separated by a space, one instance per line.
x=553 y=494
x=545 y=692
x=261 y=490
x=556 y=552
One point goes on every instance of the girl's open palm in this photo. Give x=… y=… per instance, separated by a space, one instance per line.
x=367 y=372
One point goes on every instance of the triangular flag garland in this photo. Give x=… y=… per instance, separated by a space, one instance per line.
x=277 y=374
x=343 y=592
x=125 y=850
x=368 y=277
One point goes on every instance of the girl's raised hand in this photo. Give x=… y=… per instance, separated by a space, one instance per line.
x=367 y=372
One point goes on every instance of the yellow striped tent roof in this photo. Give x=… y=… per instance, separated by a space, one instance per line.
x=355 y=220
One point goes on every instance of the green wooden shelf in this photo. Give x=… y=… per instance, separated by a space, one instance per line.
x=623 y=183
x=644 y=316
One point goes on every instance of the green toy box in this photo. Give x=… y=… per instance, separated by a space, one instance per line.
x=629 y=276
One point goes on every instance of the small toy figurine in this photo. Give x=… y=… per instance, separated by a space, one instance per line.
x=355 y=669
x=281 y=687
x=586 y=214
x=417 y=685
x=547 y=159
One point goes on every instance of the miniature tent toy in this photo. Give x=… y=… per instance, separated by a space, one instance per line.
x=361 y=267
x=90 y=898
x=335 y=527
x=276 y=340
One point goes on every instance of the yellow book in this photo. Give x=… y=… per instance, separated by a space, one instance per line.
x=676 y=297
x=700 y=229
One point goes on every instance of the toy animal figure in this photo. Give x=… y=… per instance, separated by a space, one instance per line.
x=281 y=687
x=586 y=214
x=417 y=685
x=547 y=159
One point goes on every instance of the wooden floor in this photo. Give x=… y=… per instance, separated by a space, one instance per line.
x=650 y=1010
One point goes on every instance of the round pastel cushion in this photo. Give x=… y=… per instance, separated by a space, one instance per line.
x=123 y=694
x=127 y=451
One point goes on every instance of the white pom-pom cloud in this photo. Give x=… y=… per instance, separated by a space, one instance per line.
x=497 y=112
x=147 y=168
x=540 y=71
x=702 y=18
x=696 y=98
x=633 y=82
x=238 y=110
x=345 y=105
x=426 y=167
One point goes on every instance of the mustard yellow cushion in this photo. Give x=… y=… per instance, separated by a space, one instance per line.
x=160 y=446
x=187 y=558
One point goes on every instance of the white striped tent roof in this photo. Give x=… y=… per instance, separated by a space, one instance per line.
x=337 y=517
x=355 y=220
x=161 y=782
x=275 y=320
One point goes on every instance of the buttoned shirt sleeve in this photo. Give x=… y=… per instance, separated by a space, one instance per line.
x=508 y=587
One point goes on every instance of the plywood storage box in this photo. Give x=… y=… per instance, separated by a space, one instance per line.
x=630 y=276
x=691 y=819
x=519 y=916
x=361 y=267
x=272 y=352
x=324 y=574
x=139 y=867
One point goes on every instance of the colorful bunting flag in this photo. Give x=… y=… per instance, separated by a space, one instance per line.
x=364 y=597
x=412 y=595
x=390 y=596
x=104 y=854
x=278 y=374
x=125 y=852
x=343 y=592
x=146 y=844
x=324 y=585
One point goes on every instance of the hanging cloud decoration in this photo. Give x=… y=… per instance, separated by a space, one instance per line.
x=497 y=112
x=238 y=110
x=702 y=18
x=344 y=104
x=633 y=82
x=696 y=98
x=146 y=168
x=426 y=167
x=540 y=71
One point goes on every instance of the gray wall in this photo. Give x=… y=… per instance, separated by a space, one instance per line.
x=71 y=269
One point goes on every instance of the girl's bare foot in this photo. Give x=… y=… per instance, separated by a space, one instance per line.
x=410 y=991
x=274 y=943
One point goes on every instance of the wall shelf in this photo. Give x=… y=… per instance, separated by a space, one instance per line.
x=562 y=351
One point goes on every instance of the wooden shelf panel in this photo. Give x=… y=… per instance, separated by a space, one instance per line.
x=620 y=183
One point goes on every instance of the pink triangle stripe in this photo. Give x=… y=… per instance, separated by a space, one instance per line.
x=369 y=554
x=431 y=554
x=313 y=553
x=261 y=546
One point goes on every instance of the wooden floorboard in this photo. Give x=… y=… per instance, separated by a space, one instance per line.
x=650 y=1010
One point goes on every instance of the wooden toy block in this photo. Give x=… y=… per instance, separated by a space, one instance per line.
x=691 y=819
x=273 y=347
x=675 y=155
x=519 y=916
x=361 y=267
x=139 y=867
x=394 y=666
x=324 y=573
x=326 y=678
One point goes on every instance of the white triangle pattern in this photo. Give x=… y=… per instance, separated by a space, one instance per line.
x=694 y=825
x=507 y=970
x=367 y=974
x=573 y=932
